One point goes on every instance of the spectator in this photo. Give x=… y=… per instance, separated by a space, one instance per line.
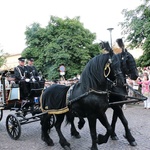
x=130 y=83
x=145 y=90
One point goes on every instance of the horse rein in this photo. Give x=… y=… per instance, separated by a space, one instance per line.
x=108 y=92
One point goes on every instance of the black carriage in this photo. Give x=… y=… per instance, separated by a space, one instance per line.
x=26 y=110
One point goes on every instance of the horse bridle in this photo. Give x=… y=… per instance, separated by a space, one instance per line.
x=107 y=67
x=124 y=58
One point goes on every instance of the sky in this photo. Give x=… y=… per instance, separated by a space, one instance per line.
x=96 y=15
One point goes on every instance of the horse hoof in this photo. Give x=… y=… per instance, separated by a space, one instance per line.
x=133 y=143
x=67 y=147
x=114 y=138
x=94 y=148
x=49 y=142
x=77 y=136
x=100 y=139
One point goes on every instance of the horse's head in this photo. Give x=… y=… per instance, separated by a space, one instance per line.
x=116 y=68
x=128 y=64
x=115 y=63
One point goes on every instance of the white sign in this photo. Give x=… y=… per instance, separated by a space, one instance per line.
x=62 y=73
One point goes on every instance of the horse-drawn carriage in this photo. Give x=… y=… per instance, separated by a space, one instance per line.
x=26 y=110
x=101 y=86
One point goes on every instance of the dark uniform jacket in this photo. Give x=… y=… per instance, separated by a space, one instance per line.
x=21 y=73
x=33 y=72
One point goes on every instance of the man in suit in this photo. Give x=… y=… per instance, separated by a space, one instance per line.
x=22 y=77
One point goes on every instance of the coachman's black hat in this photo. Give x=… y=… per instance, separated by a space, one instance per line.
x=31 y=58
x=21 y=59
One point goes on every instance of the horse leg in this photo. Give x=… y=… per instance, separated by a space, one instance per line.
x=92 y=126
x=74 y=132
x=118 y=111
x=63 y=142
x=45 y=130
x=81 y=122
x=113 y=125
x=104 y=138
x=70 y=119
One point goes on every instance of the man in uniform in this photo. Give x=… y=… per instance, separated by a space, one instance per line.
x=36 y=80
x=34 y=74
x=22 y=78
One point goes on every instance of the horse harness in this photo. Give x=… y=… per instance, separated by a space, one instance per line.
x=69 y=102
x=107 y=71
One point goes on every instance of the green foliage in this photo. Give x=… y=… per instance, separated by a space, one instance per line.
x=2 y=58
x=62 y=41
x=137 y=28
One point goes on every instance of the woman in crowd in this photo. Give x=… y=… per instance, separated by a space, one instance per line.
x=145 y=82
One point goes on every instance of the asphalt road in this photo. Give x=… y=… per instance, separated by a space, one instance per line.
x=138 y=120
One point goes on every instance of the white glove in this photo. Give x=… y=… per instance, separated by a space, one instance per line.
x=27 y=80
x=33 y=80
x=39 y=78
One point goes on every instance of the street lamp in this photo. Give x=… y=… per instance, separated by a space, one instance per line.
x=110 y=31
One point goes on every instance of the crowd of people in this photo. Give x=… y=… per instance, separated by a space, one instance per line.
x=63 y=81
x=142 y=85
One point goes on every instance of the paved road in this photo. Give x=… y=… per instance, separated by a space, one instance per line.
x=138 y=118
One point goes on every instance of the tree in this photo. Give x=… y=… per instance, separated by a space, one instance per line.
x=2 y=57
x=137 y=28
x=62 y=41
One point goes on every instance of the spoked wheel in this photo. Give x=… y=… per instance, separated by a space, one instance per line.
x=1 y=114
x=13 y=127
x=52 y=121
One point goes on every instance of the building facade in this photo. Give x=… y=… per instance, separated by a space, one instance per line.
x=10 y=62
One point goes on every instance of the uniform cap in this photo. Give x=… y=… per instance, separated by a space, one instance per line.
x=31 y=59
x=21 y=59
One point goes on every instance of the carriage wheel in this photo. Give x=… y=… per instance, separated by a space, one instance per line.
x=13 y=127
x=52 y=121
x=1 y=114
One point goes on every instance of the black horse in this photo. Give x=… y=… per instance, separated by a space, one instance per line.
x=129 y=69
x=88 y=98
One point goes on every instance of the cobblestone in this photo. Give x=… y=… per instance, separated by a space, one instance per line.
x=138 y=119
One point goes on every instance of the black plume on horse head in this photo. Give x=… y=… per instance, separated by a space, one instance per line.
x=120 y=43
x=105 y=45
